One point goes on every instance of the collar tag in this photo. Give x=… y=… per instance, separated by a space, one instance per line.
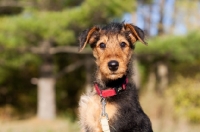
x=104 y=117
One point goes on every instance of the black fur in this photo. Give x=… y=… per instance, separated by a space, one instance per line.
x=82 y=37
x=130 y=116
x=112 y=28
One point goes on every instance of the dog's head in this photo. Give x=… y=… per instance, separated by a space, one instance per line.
x=112 y=46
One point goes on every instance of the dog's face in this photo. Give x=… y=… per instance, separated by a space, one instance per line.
x=112 y=47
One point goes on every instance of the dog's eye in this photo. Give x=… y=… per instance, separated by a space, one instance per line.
x=102 y=45
x=122 y=44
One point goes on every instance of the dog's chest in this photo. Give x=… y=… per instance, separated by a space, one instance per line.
x=90 y=112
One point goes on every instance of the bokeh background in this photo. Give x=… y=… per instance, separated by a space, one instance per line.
x=42 y=75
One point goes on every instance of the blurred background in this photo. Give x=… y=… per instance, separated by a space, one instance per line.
x=42 y=75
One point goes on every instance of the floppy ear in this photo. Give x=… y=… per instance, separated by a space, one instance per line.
x=136 y=33
x=86 y=37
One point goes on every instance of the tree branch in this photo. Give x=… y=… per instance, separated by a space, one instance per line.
x=70 y=68
x=59 y=49
x=68 y=49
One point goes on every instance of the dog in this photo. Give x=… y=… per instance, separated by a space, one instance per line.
x=112 y=105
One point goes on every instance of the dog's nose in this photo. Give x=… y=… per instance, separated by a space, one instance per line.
x=113 y=65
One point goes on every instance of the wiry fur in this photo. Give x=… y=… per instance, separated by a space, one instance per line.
x=124 y=110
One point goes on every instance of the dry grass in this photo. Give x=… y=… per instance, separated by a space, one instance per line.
x=158 y=108
x=35 y=125
x=161 y=113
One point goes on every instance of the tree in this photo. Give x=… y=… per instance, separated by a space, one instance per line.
x=169 y=50
x=160 y=18
x=38 y=36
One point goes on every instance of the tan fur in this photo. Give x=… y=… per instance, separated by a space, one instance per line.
x=130 y=27
x=88 y=37
x=90 y=104
x=90 y=111
x=113 y=51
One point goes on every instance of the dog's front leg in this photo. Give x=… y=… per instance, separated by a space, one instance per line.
x=89 y=113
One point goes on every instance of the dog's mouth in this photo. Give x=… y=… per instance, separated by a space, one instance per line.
x=112 y=72
x=115 y=75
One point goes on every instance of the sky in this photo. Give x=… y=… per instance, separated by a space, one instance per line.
x=180 y=27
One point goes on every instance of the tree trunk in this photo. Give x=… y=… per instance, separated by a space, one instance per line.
x=46 y=98
x=160 y=23
x=151 y=83
x=46 y=85
x=136 y=76
x=162 y=77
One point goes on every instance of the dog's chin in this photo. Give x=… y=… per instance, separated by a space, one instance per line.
x=114 y=76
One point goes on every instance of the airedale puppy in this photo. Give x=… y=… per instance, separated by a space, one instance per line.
x=112 y=105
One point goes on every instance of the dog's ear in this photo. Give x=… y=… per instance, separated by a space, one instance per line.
x=135 y=33
x=87 y=37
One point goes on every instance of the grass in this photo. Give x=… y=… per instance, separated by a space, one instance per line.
x=160 y=109
x=35 y=125
x=161 y=112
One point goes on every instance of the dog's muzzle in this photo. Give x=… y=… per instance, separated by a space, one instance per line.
x=113 y=65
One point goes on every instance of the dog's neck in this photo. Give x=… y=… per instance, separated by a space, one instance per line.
x=107 y=84
x=112 y=87
x=115 y=83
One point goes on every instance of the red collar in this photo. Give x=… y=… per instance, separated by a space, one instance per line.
x=110 y=91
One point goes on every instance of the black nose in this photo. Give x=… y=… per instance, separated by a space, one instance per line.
x=113 y=65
